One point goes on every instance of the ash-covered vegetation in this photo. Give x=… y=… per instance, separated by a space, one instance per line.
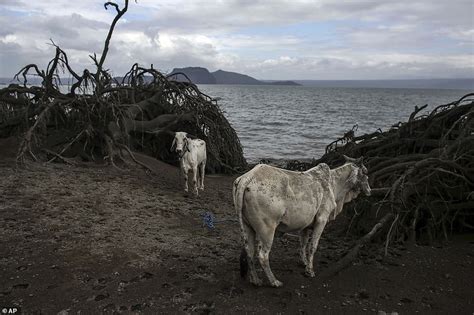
x=101 y=117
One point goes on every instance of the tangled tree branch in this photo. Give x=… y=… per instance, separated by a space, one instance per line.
x=352 y=254
x=422 y=169
x=97 y=115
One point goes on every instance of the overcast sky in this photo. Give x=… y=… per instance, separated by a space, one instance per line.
x=274 y=39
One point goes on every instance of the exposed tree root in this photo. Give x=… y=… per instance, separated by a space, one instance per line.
x=57 y=155
x=352 y=254
x=97 y=115
x=422 y=171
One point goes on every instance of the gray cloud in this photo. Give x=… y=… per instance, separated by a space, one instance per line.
x=365 y=39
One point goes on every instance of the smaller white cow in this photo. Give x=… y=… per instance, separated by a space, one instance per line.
x=269 y=199
x=192 y=156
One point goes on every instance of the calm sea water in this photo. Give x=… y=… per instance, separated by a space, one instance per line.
x=295 y=122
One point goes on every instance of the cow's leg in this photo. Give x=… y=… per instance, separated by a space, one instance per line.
x=184 y=172
x=319 y=225
x=304 y=239
x=195 y=182
x=265 y=236
x=249 y=245
x=203 y=169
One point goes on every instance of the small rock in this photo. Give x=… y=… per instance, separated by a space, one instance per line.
x=121 y=287
x=21 y=286
x=64 y=312
x=146 y=275
x=136 y=307
x=109 y=307
x=102 y=280
x=101 y=297
x=363 y=294
x=98 y=287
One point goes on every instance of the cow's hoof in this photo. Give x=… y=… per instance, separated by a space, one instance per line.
x=309 y=273
x=303 y=263
x=202 y=188
x=277 y=284
x=256 y=282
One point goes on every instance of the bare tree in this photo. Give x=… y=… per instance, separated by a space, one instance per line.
x=99 y=115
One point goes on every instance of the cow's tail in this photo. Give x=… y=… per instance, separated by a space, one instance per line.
x=244 y=264
x=238 y=191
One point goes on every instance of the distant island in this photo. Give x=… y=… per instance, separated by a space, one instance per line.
x=200 y=75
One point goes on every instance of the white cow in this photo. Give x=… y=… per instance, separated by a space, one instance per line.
x=192 y=156
x=270 y=199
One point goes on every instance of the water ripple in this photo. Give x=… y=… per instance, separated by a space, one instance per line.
x=298 y=122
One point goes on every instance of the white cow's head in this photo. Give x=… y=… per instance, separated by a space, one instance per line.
x=358 y=178
x=180 y=143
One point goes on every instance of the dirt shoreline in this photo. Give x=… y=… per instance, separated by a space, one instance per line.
x=87 y=239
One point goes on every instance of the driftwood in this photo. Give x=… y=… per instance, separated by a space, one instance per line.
x=97 y=114
x=352 y=254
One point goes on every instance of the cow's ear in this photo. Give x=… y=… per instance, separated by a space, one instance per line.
x=173 y=145
x=186 y=145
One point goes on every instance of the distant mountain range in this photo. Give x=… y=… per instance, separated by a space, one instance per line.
x=199 y=75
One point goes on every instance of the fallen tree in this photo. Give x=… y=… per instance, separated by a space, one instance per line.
x=97 y=116
x=422 y=172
